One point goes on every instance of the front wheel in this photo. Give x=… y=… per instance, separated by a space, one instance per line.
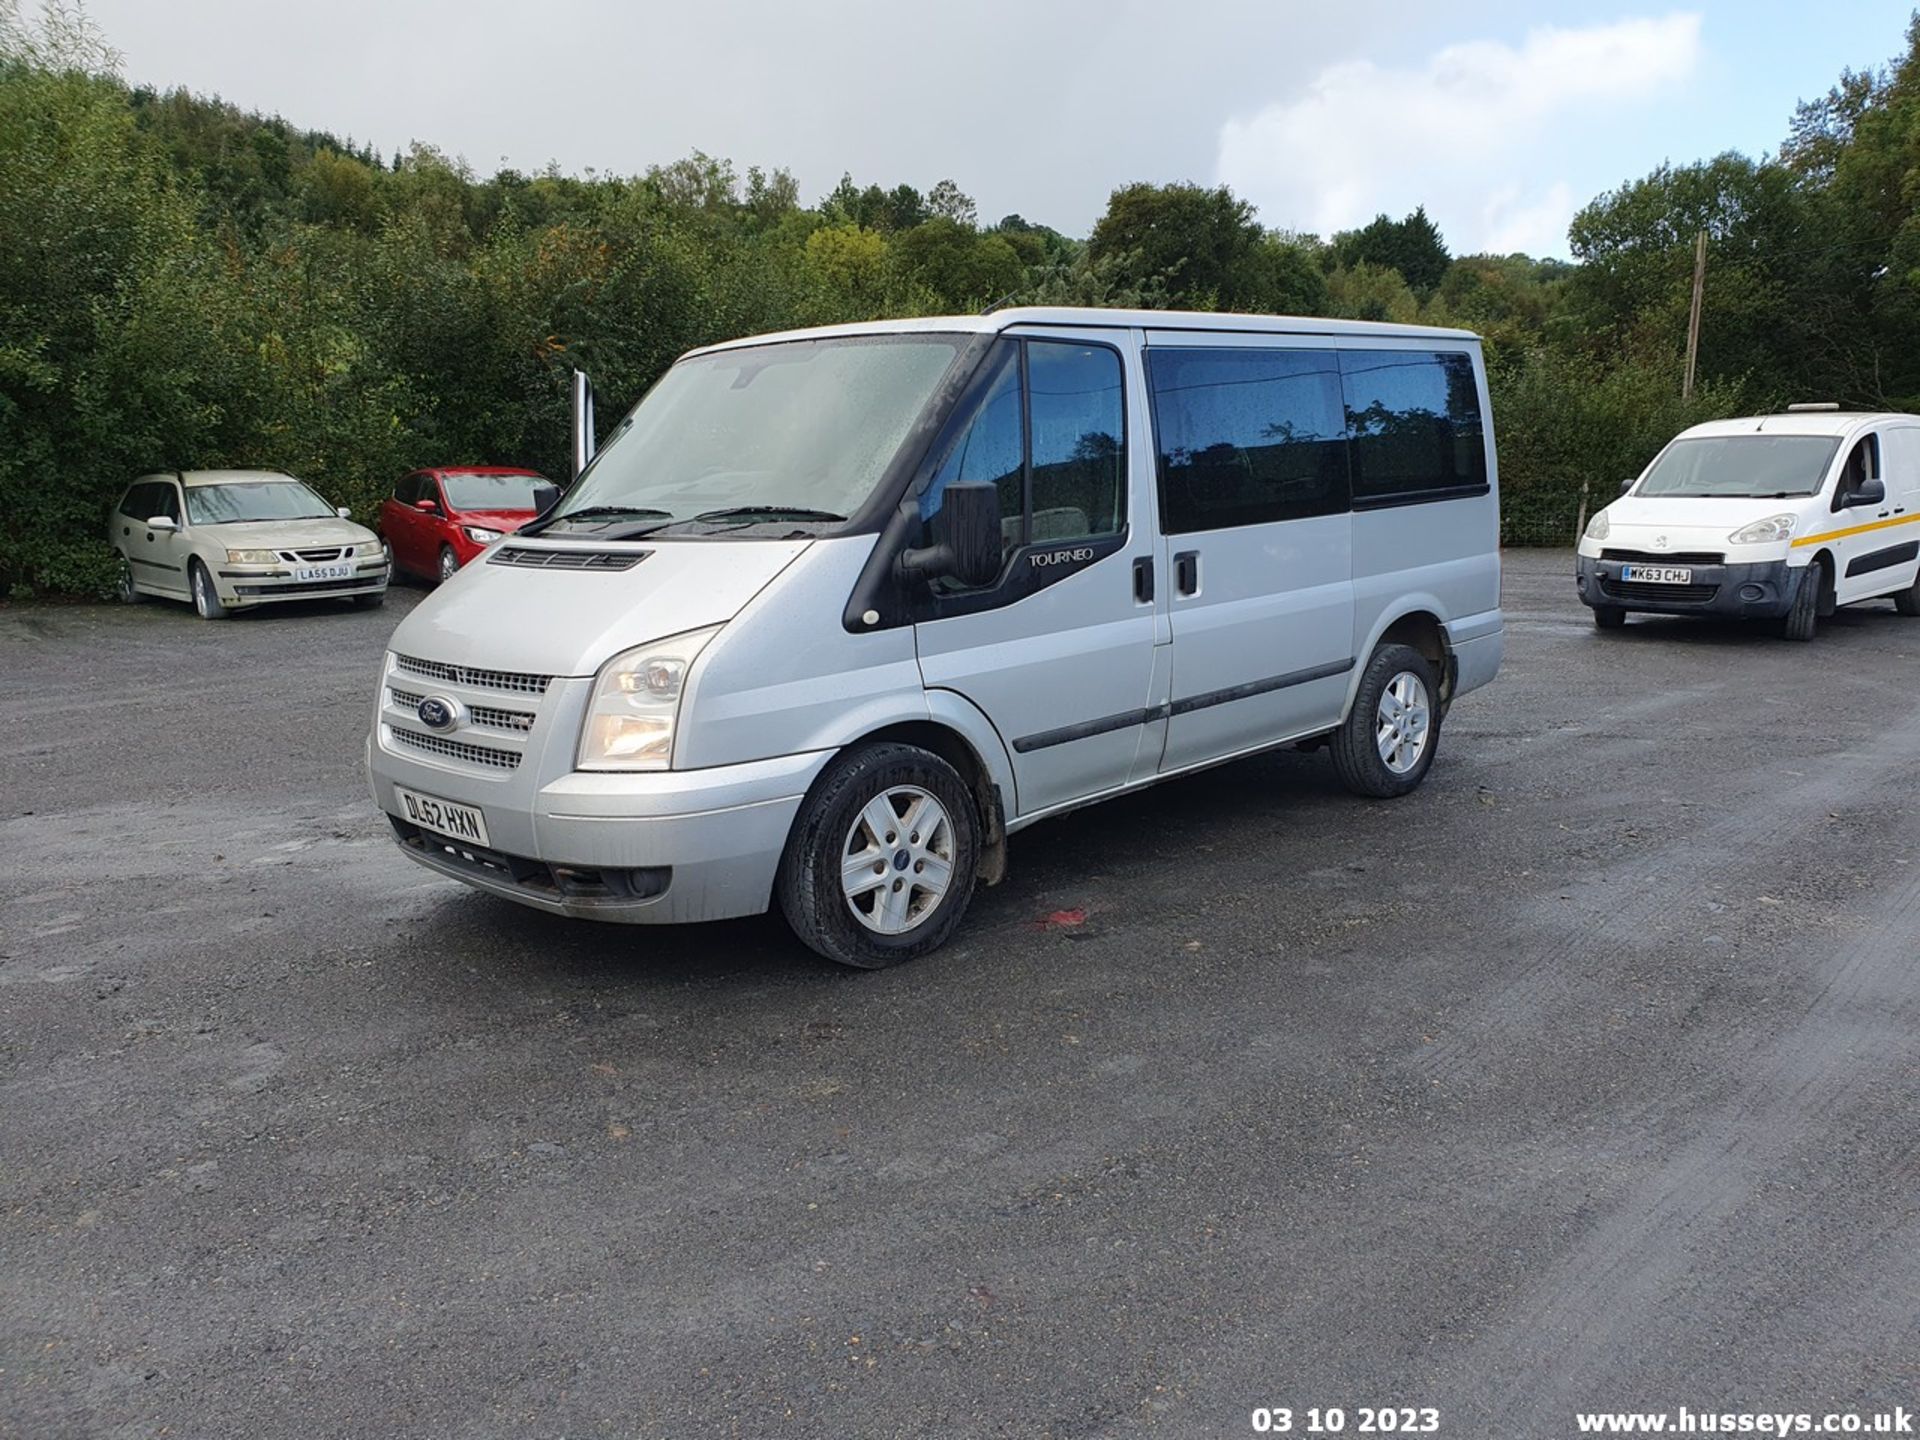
x=124 y=588
x=206 y=599
x=1609 y=617
x=372 y=600
x=1804 y=616
x=449 y=563
x=881 y=862
x=1385 y=746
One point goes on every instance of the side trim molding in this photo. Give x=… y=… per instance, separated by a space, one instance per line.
x=1106 y=724
x=1883 y=559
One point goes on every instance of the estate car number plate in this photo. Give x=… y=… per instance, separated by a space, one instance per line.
x=1657 y=574
x=323 y=572
x=443 y=817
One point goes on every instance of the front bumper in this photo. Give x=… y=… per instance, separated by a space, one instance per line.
x=244 y=586
x=664 y=848
x=1759 y=591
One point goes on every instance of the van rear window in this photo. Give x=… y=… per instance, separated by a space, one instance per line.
x=1414 y=417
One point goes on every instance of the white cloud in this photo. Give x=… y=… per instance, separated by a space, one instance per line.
x=1454 y=134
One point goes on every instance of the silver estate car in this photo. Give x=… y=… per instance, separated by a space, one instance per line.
x=228 y=540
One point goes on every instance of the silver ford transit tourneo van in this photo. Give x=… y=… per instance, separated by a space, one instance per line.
x=832 y=613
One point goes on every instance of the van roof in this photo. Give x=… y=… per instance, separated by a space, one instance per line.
x=1091 y=316
x=1805 y=422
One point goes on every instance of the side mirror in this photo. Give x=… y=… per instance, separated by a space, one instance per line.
x=162 y=522
x=966 y=539
x=583 y=437
x=1867 y=492
x=1628 y=483
x=343 y=512
x=546 y=495
x=432 y=507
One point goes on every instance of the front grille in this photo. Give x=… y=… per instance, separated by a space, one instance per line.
x=317 y=557
x=486 y=715
x=567 y=559
x=513 y=680
x=1672 y=594
x=1678 y=557
x=458 y=749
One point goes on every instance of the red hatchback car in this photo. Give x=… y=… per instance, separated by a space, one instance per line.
x=437 y=520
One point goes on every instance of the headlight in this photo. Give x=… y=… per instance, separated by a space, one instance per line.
x=1599 y=527
x=480 y=535
x=636 y=699
x=1761 y=532
x=253 y=557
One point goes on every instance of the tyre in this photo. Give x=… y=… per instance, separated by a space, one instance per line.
x=206 y=599
x=449 y=563
x=124 y=590
x=371 y=601
x=1385 y=746
x=1907 y=601
x=1804 y=616
x=880 y=865
x=1609 y=617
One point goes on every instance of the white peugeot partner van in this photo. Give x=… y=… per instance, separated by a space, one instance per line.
x=835 y=612
x=1781 y=516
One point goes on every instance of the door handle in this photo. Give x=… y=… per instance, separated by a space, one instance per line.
x=1186 y=571
x=1143 y=580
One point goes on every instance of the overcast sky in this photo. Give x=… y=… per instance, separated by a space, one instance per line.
x=1502 y=118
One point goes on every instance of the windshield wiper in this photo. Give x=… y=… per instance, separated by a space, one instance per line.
x=754 y=513
x=605 y=511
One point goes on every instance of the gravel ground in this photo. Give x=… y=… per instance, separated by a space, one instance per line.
x=1584 y=1077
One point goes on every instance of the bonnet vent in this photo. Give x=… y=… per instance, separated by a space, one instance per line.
x=567 y=559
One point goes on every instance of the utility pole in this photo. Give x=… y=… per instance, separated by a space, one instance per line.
x=1693 y=320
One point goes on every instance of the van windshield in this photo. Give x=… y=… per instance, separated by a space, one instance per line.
x=1742 y=466
x=786 y=435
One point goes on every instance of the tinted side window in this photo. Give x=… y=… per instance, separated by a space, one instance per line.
x=989 y=450
x=1247 y=436
x=1079 y=454
x=166 y=500
x=1414 y=417
x=136 y=501
x=406 y=489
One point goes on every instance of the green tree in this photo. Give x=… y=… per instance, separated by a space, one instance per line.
x=1412 y=246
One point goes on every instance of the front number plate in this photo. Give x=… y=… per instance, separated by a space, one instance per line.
x=1657 y=574
x=323 y=572
x=443 y=817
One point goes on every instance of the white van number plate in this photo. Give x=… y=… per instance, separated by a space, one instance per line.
x=443 y=817
x=1657 y=574
x=323 y=572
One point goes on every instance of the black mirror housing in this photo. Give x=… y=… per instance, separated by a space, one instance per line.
x=1867 y=492
x=546 y=495
x=1628 y=483
x=966 y=538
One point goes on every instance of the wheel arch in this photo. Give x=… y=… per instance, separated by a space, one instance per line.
x=1417 y=624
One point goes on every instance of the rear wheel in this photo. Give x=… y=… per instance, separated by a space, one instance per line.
x=1804 y=616
x=449 y=563
x=1907 y=602
x=124 y=589
x=1609 y=617
x=880 y=865
x=1385 y=747
x=206 y=599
